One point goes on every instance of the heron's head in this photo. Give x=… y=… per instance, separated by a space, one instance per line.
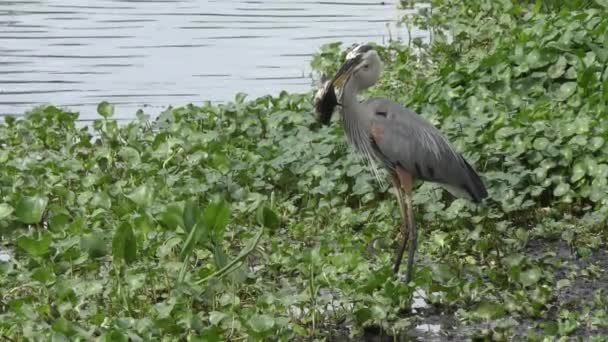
x=362 y=67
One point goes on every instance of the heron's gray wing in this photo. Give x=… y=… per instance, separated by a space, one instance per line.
x=403 y=138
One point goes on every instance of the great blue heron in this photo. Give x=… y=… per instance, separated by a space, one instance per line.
x=404 y=143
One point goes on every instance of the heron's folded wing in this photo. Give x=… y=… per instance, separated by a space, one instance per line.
x=405 y=139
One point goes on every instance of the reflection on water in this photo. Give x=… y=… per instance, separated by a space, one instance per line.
x=156 y=53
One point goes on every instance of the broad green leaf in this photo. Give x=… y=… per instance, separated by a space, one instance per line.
x=541 y=143
x=596 y=143
x=378 y=312
x=440 y=238
x=43 y=274
x=5 y=210
x=130 y=155
x=563 y=283
x=94 y=245
x=124 y=244
x=565 y=91
x=363 y=315
x=62 y=325
x=29 y=209
x=198 y=230
x=603 y=3
x=536 y=59
x=514 y=260
x=105 y=109
x=220 y=256
x=561 y=189
x=215 y=219
x=261 y=323
x=267 y=218
x=35 y=246
x=143 y=196
x=442 y=273
x=3 y=156
x=191 y=214
x=530 y=277
x=216 y=317
x=556 y=70
x=489 y=310
x=101 y=200
x=164 y=309
x=172 y=216
x=578 y=172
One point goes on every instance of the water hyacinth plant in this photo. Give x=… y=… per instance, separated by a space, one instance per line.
x=251 y=221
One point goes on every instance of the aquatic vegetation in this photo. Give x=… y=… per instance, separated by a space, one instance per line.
x=251 y=220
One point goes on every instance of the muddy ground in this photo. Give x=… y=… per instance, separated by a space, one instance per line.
x=435 y=323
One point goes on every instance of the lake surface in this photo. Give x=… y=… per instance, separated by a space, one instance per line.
x=153 y=53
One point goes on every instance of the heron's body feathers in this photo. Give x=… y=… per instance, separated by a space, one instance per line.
x=400 y=137
x=405 y=143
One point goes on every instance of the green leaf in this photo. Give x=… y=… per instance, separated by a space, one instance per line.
x=94 y=245
x=578 y=172
x=556 y=70
x=197 y=231
x=29 y=210
x=251 y=245
x=561 y=189
x=514 y=260
x=267 y=218
x=565 y=91
x=4 y=155
x=541 y=143
x=62 y=325
x=488 y=310
x=124 y=244
x=44 y=275
x=378 y=312
x=603 y=3
x=563 y=283
x=35 y=247
x=536 y=59
x=596 y=143
x=130 y=155
x=172 y=216
x=216 y=317
x=101 y=200
x=530 y=277
x=215 y=219
x=105 y=109
x=442 y=273
x=143 y=196
x=5 y=210
x=261 y=323
x=190 y=214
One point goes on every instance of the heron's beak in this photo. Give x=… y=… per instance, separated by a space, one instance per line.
x=344 y=72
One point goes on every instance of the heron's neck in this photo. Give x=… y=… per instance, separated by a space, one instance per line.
x=349 y=97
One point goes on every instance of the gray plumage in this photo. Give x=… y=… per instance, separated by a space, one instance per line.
x=416 y=145
x=404 y=143
x=408 y=140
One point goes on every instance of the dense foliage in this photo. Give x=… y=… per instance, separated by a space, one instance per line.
x=249 y=220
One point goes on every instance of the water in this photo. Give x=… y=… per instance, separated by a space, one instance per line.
x=154 y=53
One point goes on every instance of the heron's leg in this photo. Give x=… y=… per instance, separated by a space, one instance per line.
x=411 y=250
x=407 y=183
x=403 y=227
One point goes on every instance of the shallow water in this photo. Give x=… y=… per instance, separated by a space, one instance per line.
x=153 y=53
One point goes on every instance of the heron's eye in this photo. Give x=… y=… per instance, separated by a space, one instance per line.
x=365 y=66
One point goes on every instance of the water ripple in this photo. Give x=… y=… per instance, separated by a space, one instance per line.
x=71 y=54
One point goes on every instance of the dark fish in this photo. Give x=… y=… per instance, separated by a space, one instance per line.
x=324 y=102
